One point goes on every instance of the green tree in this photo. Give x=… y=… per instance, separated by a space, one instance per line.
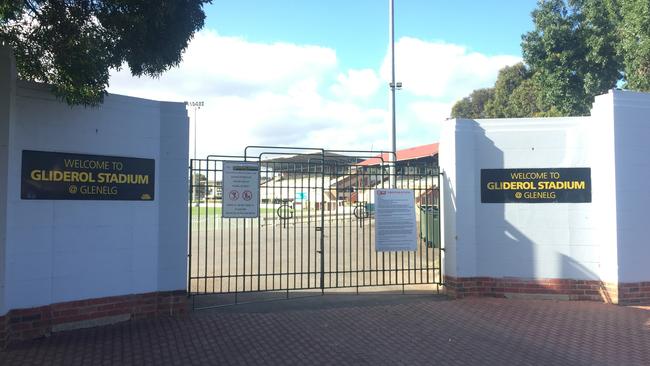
x=473 y=106
x=73 y=44
x=571 y=53
x=578 y=49
x=598 y=26
x=634 y=45
x=515 y=94
x=200 y=185
x=525 y=101
x=509 y=79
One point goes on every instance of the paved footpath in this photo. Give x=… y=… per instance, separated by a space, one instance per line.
x=362 y=330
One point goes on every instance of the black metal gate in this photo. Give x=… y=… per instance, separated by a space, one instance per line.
x=316 y=224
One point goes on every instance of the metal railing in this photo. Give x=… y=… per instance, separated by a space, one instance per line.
x=315 y=229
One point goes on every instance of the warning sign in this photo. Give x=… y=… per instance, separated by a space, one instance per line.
x=395 y=220
x=241 y=185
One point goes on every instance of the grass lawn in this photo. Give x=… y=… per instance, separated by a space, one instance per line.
x=205 y=211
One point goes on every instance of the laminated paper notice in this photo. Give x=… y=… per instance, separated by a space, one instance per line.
x=395 y=226
x=241 y=189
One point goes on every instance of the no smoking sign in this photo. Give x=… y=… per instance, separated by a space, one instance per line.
x=247 y=195
x=241 y=181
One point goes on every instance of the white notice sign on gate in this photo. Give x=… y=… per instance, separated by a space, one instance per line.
x=395 y=226
x=241 y=189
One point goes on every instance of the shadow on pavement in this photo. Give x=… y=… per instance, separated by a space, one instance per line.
x=310 y=300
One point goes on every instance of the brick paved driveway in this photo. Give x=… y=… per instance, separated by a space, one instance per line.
x=363 y=330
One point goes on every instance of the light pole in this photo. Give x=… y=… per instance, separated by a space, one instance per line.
x=195 y=105
x=393 y=86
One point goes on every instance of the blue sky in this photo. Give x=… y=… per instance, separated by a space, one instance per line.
x=357 y=29
x=314 y=73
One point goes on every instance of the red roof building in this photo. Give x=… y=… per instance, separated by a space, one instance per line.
x=411 y=153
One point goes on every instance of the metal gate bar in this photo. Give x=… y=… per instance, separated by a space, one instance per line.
x=315 y=229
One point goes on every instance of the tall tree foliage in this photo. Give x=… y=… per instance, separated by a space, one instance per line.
x=634 y=45
x=515 y=94
x=571 y=53
x=509 y=80
x=473 y=106
x=73 y=44
x=578 y=49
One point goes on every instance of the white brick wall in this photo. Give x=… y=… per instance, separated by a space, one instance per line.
x=605 y=239
x=70 y=250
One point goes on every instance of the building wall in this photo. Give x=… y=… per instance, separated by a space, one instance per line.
x=604 y=197
x=458 y=198
x=59 y=251
x=599 y=241
x=631 y=133
x=521 y=240
x=7 y=100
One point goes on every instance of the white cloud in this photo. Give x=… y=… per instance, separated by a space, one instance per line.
x=216 y=65
x=425 y=118
x=442 y=71
x=299 y=95
x=231 y=123
x=426 y=111
x=356 y=84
